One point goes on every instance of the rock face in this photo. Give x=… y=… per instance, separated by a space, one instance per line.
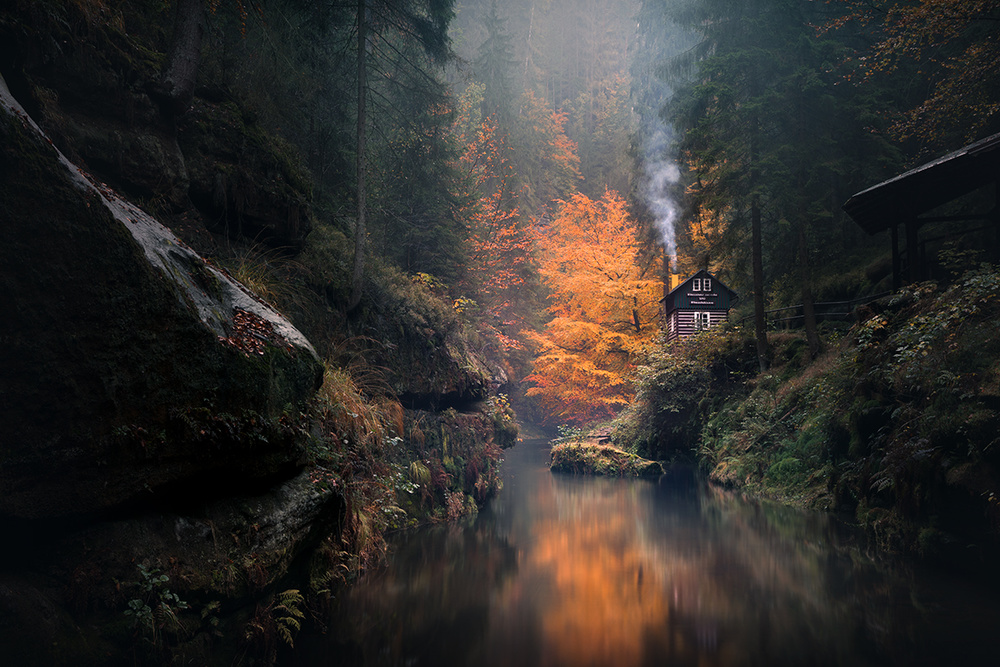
x=86 y=80
x=130 y=364
x=62 y=593
x=244 y=178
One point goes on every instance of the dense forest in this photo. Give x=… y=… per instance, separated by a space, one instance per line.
x=440 y=218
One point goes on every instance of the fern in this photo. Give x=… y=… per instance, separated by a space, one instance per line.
x=288 y=614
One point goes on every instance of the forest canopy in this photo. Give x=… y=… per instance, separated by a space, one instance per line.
x=512 y=155
x=768 y=115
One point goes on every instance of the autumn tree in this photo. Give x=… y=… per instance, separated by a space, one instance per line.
x=954 y=44
x=604 y=308
x=499 y=264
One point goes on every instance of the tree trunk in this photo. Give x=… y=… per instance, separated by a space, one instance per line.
x=175 y=89
x=757 y=252
x=808 y=308
x=360 y=231
x=759 y=316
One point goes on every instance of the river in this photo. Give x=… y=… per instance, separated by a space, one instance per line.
x=561 y=570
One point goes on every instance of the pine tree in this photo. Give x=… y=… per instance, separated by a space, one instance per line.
x=384 y=28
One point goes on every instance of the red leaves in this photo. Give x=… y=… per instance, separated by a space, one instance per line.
x=251 y=333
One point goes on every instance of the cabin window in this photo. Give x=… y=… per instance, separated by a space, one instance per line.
x=696 y=285
x=702 y=320
x=701 y=285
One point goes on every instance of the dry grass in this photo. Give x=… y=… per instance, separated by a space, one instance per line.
x=820 y=366
x=589 y=457
x=268 y=274
x=348 y=413
x=362 y=423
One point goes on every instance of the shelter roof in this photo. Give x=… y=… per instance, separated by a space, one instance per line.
x=926 y=187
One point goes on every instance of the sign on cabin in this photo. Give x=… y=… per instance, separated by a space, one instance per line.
x=697 y=303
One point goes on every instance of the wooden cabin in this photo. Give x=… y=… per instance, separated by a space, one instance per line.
x=697 y=303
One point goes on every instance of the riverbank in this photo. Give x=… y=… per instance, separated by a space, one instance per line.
x=893 y=424
x=202 y=447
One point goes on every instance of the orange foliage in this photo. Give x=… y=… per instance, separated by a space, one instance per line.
x=604 y=303
x=499 y=245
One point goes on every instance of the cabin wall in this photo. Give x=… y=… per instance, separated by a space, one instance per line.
x=681 y=323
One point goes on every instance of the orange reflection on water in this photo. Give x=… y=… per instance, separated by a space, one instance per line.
x=607 y=600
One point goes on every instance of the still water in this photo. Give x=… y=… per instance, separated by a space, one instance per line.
x=572 y=571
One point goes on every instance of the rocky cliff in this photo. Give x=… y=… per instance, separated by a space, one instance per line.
x=169 y=474
x=150 y=403
x=124 y=345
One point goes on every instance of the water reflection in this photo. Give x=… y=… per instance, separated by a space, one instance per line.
x=581 y=571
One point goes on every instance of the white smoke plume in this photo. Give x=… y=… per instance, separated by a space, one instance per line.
x=661 y=172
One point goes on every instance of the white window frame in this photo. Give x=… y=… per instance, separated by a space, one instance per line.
x=702 y=320
x=701 y=285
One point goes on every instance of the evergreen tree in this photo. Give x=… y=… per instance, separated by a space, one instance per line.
x=772 y=137
x=385 y=28
x=952 y=45
x=494 y=68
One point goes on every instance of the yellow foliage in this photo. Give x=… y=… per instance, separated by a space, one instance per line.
x=605 y=307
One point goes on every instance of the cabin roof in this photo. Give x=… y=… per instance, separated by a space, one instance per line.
x=926 y=187
x=702 y=274
x=682 y=298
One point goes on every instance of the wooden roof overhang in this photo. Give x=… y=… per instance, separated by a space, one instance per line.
x=901 y=200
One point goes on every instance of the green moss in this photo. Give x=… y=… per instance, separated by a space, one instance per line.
x=678 y=389
x=103 y=342
x=595 y=459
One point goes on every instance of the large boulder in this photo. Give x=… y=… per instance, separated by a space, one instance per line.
x=63 y=595
x=130 y=365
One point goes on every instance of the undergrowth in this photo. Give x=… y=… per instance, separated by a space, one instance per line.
x=270 y=275
x=895 y=425
x=600 y=459
x=678 y=386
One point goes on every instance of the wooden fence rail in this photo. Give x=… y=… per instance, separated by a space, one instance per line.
x=792 y=316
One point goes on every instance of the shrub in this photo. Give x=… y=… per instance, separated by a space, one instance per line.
x=678 y=387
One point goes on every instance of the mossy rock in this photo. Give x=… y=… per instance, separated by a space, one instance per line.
x=111 y=331
x=599 y=459
x=250 y=180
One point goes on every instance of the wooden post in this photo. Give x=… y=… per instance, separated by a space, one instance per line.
x=912 y=250
x=896 y=267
